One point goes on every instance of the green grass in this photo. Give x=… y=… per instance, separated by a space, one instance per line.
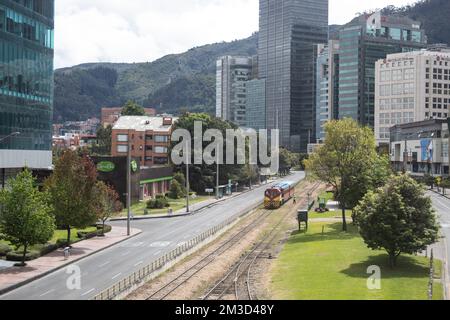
x=59 y=234
x=138 y=208
x=333 y=266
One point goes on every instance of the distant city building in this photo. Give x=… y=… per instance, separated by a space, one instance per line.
x=231 y=92
x=148 y=137
x=26 y=85
x=256 y=104
x=111 y=115
x=327 y=82
x=421 y=147
x=288 y=34
x=411 y=87
x=363 y=42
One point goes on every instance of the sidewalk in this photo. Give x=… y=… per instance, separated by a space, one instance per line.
x=195 y=208
x=15 y=277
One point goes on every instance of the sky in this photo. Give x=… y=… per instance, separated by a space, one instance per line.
x=145 y=30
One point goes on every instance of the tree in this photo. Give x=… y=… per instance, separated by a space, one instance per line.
x=176 y=191
x=71 y=188
x=179 y=176
x=131 y=108
x=397 y=218
x=108 y=203
x=25 y=216
x=104 y=141
x=346 y=161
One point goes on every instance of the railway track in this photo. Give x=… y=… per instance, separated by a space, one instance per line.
x=170 y=287
x=238 y=280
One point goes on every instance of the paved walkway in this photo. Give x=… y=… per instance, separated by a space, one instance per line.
x=13 y=277
x=193 y=208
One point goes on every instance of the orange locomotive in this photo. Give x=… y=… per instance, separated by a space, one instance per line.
x=278 y=195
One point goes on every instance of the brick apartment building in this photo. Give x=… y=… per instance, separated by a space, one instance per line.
x=149 y=139
x=111 y=115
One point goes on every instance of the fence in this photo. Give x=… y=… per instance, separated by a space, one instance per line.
x=139 y=276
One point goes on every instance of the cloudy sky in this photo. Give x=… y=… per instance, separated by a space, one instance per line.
x=144 y=30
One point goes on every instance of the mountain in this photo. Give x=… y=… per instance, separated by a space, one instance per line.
x=186 y=81
x=176 y=81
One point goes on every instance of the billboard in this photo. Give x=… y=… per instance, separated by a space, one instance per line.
x=426 y=146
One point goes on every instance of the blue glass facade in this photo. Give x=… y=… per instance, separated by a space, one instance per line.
x=26 y=73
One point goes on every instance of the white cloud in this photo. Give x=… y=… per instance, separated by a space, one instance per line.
x=144 y=30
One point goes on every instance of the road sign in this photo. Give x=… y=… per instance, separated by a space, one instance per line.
x=209 y=190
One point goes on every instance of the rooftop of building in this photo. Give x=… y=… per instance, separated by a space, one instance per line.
x=144 y=123
x=386 y=20
x=424 y=52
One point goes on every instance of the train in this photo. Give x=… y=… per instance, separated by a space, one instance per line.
x=278 y=195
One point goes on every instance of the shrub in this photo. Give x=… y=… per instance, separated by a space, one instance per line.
x=159 y=203
x=46 y=249
x=17 y=256
x=4 y=249
x=176 y=191
x=62 y=243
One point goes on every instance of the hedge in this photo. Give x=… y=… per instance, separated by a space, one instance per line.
x=17 y=256
x=4 y=249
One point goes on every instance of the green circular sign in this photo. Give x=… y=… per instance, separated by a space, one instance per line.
x=134 y=166
x=106 y=166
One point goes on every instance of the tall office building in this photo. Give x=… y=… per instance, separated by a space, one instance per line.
x=231 y=93
x=288 y=33
x=365 y=40
x=327 y=82
x=256 y=104
x=411 y=87
x=26 y=84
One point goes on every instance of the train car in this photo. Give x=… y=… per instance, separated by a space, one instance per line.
x=278 y=195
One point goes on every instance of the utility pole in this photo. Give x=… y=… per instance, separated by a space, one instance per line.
x=217 y=175
x=129 y=185
x=188 y=186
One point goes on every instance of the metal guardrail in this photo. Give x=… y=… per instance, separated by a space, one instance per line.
x=138 y=276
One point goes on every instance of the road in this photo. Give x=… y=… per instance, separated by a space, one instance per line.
x=159 y=236
x=442 y=207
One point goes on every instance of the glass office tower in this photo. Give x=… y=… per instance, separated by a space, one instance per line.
x=289 y=32
x=364 y=41
x=26 y=83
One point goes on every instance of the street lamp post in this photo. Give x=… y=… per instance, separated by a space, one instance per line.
x=217 y=176
x=10 y=136
x=188 y=186
x=129 y=185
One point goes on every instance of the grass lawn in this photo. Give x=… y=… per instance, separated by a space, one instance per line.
x=59 y=234
x=333 y=266
x=138 y=208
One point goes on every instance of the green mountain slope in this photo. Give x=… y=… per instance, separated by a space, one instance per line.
x=81 y=91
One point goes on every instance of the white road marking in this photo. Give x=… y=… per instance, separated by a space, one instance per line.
x=46 y=293
x=157 y=252
x=125 y=253
x=116 y=276
x=104 y=264
x=139 y=263
x=87 y=292
x=159 y=244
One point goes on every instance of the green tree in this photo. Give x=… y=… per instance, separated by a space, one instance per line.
x=179 y=176
x=131 y=108
x=107 y=204
x=398 y=218
x=346 y=161
x=71 y=188
x=25 y=216
x=176 y=191
x=104 y=141
x=203 y=176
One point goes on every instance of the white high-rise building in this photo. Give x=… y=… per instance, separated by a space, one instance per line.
x=231 y=93
x=410 y=87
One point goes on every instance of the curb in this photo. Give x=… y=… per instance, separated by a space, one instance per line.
x=42 y=275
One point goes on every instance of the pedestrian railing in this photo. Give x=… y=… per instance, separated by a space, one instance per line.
x=137 y=277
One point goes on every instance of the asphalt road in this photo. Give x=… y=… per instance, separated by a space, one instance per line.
x=442 y=207
x=159 y=236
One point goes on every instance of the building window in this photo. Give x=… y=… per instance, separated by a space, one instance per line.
x=160 y=150
x=122 y=149
x=122 y=138
x=161 y=139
